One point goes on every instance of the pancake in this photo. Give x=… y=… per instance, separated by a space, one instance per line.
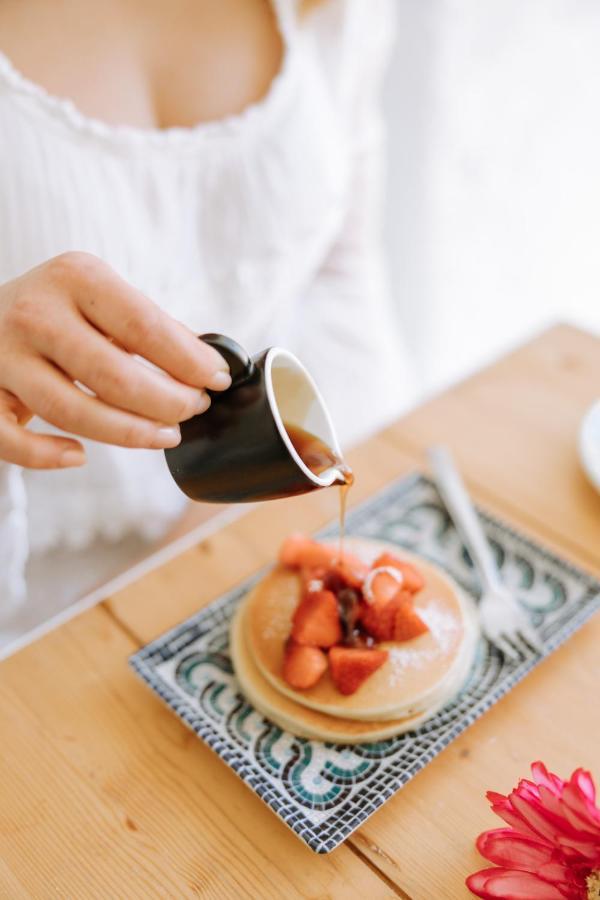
x=415 y=676
x=308 y=723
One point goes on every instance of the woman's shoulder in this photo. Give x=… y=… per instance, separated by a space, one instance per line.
x=353 y=32
x=356 y=17
x=353 y=38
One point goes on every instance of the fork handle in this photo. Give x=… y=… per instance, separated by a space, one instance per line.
x=454 y=494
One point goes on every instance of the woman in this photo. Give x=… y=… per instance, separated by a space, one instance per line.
x=211 y=164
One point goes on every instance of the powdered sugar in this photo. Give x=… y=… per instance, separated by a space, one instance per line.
x=443 y=627
x=441 y=623
x=278 y=624
x=315 y=585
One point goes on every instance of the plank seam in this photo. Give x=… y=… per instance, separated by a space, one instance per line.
x=104 y=605
x=360 y=854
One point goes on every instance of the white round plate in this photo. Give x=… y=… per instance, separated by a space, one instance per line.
x=589 y=444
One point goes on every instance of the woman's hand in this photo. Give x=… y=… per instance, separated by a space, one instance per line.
x=73 y=319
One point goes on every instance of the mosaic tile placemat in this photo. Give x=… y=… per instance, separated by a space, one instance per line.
x=324 y=791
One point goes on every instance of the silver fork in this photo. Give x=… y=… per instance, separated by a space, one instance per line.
x=503 y=621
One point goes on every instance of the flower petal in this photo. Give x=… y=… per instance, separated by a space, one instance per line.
x=541 y=775
x=573 y=824
x=580 y=808
x=533 y=815
x=549 y=824
x=527 y=789
x=561 y=875
x=575 y=849
x=503 y=808
x=585 y=783
x=509 y=884
x=581 y=827
x=551 y=802
x=506 y=847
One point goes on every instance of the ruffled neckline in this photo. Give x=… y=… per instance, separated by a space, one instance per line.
x=64 y=111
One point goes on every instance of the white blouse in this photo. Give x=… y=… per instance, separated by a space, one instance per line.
x=263 y=226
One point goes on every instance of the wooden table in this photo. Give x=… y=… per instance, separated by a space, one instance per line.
x=105 y=794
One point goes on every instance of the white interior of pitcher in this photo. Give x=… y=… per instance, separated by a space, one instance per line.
x=295 y=398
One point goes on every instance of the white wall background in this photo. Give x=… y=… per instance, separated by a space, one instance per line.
x=493 y=213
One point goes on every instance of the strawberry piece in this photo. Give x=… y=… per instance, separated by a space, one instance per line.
x=379 y=621
x=413 y=580
x=379 y=618
x=316 y=621
x=350 y=667
x=303 y=666
x=313 y=578
x=299 y=551
x=382 y=583
x=408 y=624
x=351 y=570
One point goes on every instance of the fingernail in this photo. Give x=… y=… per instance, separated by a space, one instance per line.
x=72 y=458
x=202 y=404
x=219 y=362
x=169 y=436
x=220 y=381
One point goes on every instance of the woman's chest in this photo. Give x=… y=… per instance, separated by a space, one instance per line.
x=242 y=209
x=150 y=64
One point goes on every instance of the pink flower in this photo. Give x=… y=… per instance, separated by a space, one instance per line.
x=551 y=849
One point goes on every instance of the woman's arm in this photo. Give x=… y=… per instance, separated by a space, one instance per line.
x=73 y=319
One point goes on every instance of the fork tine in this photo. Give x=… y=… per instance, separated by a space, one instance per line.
x=529 y=636
x=506 y=648
x=512 y=641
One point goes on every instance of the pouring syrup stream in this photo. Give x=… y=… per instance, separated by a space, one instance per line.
x=319 y=457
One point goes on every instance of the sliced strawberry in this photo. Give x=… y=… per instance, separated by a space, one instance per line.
x=413 y=580
x=382 y=583
x=350 y=667
x=303 y=666
x=299 y=551
x=379 y=621
x=408 y=624
x=316 y=621
x=351 y=570
x=379 y=618
x=313 y=578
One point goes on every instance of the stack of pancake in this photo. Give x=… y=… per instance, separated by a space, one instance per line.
x=419 y=677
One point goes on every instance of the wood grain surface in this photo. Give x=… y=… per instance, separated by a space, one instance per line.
x=105 y=794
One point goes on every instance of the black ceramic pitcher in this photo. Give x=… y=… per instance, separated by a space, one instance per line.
x=239 y=450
